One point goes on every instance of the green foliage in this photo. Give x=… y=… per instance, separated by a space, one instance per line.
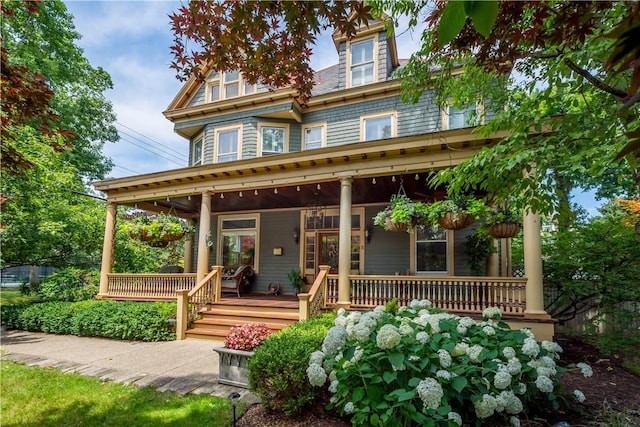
x=48 y=397
x=455 y=205
x=277 y=368
x=295 y=278
x=595 y=266
x=477 y=248
x=144 y=321
x=500 y=214
x=69 y=284
x=402 y=210
x=427 y=367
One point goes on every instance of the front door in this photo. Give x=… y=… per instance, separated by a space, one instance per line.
x=328 y=250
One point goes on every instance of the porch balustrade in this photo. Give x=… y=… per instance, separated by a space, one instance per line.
x=192 y=301
x=458 y=294
x=313 y=302
x=148 y=287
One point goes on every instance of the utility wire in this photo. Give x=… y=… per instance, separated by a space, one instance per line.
x=178 y=153
x=151 y=151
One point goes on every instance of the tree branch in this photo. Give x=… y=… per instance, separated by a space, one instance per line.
x=594 y=81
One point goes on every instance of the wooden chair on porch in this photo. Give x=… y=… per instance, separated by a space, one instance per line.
x=240 y=282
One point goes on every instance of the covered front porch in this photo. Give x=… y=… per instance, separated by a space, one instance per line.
x=269 y=200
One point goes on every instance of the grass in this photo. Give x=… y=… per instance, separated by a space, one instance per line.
x=47 y=397
x=13 y=296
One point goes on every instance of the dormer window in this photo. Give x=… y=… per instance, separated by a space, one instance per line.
x=230 y=84
x=196 y=158
x=362 y=65
x=273 y=139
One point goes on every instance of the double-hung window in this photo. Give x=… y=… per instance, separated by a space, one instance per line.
x=273 y=139
x=196 y=155
x=458 y=118
x=313 y=137
x=431 y=250
x=362 y=62
x=380 y=126
x=231 y=84
x=227 y=144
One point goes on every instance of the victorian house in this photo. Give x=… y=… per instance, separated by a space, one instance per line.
x=279 y=185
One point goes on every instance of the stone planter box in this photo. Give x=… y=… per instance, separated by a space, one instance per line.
x=233 y=366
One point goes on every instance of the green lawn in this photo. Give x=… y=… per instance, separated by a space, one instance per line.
x=13 y=296
x=46 y=397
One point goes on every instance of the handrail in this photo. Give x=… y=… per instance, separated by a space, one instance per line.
x=147 y=287
x=191 y=302
x=312 y=302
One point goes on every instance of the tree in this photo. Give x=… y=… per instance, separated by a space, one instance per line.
x=554 y=73
x=39 y=38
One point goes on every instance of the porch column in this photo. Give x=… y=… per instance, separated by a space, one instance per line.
x=204 y=228
x=493 y=261
x=107 y=248
x=344 y=250
x=533 y=265
x=188 y=250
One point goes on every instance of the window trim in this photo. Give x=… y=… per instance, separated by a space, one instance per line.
x=219 y=80
x=216 y=151
x=350 y=43
x=287 y=133
x=321 y=125
x=445 y=116
x=449 y=242
x=394 y=123
x=254 y=216
x=199 y=138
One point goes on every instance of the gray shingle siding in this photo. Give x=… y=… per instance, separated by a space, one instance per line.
x=388 y=251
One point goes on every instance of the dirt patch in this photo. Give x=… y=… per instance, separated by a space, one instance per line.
x=610 y=386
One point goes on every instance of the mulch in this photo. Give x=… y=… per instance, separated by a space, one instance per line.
x=611 y=386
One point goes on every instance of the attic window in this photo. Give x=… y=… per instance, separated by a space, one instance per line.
x=227 y=85
x=362 y=62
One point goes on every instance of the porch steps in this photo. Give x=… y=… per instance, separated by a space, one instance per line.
x=214 y=324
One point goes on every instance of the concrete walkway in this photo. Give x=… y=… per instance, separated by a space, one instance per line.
x=188 y=366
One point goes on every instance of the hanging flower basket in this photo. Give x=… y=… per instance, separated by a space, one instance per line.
x=170 y=237
x=159 y=243
x=394 y=226
x=402 y=214
x=456 y=222
x=504 y=230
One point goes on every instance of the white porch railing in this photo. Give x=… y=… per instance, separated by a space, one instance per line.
x=453 y=293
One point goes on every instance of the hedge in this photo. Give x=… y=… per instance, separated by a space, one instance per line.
x=145 y=321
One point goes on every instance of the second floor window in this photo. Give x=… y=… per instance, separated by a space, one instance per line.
x=362 y=65
x=196 y=159
x=313 y=137
x=227 y=145
x=458 y=118
x=379 y=127
x=273 y=139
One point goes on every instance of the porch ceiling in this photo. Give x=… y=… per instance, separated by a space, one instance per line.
x=302 y=178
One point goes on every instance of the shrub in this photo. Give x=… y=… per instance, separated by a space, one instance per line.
x=69 y=284
x=427 y=367
x=145 y=321
x=277 y=368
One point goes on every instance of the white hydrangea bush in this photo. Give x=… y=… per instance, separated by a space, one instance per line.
x=422 y=366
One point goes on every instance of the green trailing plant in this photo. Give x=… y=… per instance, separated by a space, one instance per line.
x=402 y=210
x=478 y=246
x=157 y=228
x=277 y=367
x=502 y=215
x=423 y=366
x=456 y=205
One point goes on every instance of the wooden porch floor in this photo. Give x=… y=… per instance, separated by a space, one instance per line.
x=261 y=300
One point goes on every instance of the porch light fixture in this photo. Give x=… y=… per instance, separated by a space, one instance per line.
x=222 y=195
x=240 y=194
x=189 y=197
x=255 y=192
x=393 y=178
x=297 y=188
x=318 y=186
x=155 y=203
x=275 y=191
x=368 y=230
x=417 y=177
x=296 y=235
x=373 y=181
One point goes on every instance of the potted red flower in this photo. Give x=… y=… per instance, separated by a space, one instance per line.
x=237 y=350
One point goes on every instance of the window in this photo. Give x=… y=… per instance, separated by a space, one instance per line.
x=431 y=249
x=377 y=127
x=196 y=158
x=362 y=62
x=238 y=242
x=227 y=85
x=273 y=139
x=314 y=137
x=458 y=118
x=227 y=144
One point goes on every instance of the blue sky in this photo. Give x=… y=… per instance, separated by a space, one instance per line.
x=131 y=41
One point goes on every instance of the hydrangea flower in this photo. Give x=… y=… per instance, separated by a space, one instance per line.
x=489 y=330
x=460 y=349
x=333 y=387
x=405 y=329
x=552 y=347
x=514 y=366
x=492 y=313
x=442 y=374
x=474 y=353
x=361 y=332
x=508 y=402
x=316 y=357
x=515 y=421
x=422 y=337
x=486 y=406
x=348 y=408
x=430 y=392
x=445 y=358
x=455 y=417
x=388 y=337
x=530 y=347
x=579 y=396
x=544 y=384
x=585 y=369
x=509 y=352
x=502 y=380
x=335 y=339
x=316 y=374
